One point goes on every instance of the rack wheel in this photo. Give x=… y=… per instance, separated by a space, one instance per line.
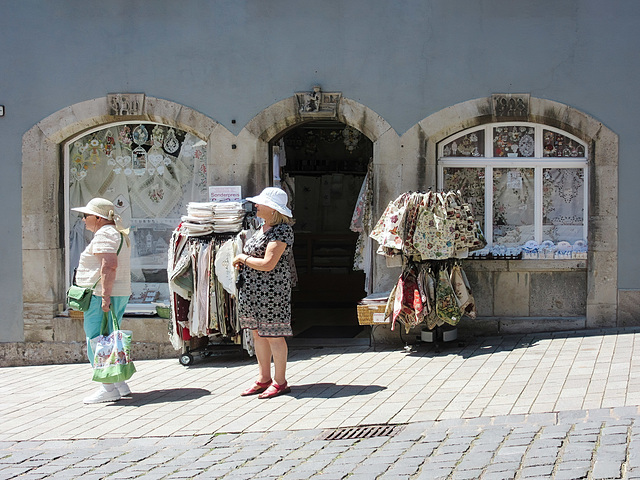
x=186 y=359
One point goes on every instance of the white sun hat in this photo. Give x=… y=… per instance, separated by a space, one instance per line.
x=275 y=198
x=104 y=208
x=100 y=207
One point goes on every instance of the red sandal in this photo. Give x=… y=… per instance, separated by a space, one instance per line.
x=274 y=390
x=257 y=388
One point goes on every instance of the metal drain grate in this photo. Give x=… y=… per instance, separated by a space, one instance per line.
x=365 y=431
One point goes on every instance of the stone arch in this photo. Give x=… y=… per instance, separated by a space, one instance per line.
x=281 y=116
x=285 y=114
x=602 y=264
x=42 y=197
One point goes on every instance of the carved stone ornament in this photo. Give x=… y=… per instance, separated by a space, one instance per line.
x=318 y=103
x=123 y=104
x=510 y=104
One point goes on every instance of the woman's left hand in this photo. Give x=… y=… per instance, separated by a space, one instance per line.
x=106 y=304
x=239 y=260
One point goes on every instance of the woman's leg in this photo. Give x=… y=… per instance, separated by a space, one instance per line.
x=118 y=305
x=92 y=323
x=263 y=354
x=279 y=351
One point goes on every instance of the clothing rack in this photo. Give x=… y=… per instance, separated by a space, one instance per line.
x=431 y=232
x=195 y=290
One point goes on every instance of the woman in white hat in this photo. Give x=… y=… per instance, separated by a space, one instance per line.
x=265 y=297
x=106 y=260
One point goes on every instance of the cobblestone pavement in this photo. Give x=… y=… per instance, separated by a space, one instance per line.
x=598 y=444
x=496 y=408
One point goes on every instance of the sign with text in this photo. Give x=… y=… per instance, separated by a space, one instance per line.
x=225 y=194
x=380 y=318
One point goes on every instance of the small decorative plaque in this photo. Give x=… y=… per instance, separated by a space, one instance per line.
x=510 y=104
x=318 y=103
x=123 y=104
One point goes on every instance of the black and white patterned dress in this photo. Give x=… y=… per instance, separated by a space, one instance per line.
x=265 y=297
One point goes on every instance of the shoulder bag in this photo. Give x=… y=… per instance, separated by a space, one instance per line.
x=79 y=298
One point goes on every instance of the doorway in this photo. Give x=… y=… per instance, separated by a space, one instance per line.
x=322 y=165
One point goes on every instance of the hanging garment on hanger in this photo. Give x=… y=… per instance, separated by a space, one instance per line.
x=180 y=287
x=224 y=269
x=447 y=306
x=214 y=320
x=408 y=306
x=432 y=320
x=428 y=226
x=361 y=218
x=386 y=231
x=409 y=224
x=435 y=233
x=426 y=287
x=194 y=252
x=461 y=287
x=179 y=265
x=361 y=223
x=203 y=294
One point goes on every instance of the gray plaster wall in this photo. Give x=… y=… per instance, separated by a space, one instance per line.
x=230 y=60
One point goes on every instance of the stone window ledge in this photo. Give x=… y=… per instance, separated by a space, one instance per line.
x=572 y=265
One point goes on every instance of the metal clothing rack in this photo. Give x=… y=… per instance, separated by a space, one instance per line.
x=439 y=334
x=203 y=345
x=226 y=346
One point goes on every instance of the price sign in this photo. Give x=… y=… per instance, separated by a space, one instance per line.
x=225 y=194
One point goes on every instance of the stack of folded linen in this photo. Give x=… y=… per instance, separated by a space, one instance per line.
x=376 y=299
x=213 y=217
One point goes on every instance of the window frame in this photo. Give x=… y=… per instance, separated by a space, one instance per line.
x=66 y=148
x=538 y=162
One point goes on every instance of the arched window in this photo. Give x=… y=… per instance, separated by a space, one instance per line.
x=150 y=172
x=526 y=182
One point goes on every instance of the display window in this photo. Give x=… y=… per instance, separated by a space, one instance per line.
x=527 y=184
x=150 y=172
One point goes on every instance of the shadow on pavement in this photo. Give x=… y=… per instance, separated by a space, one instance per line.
x=162 y=396
x=473 y=346
x=332 y=390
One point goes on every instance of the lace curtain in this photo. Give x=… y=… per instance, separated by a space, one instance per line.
x=563 y=204
x=513 y=206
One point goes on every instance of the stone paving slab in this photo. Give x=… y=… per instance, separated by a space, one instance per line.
x=490 y=408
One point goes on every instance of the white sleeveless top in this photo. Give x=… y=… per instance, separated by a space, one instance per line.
x=105 y=240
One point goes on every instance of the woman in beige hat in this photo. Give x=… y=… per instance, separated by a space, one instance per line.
x=264 y=301
x=106 y=260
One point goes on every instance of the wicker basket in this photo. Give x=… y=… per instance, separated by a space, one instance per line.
x=76 y=314
x=366 y=314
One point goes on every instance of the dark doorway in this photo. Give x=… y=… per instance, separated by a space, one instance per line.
x=322 y=165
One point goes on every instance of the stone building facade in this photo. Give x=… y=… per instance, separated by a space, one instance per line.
x=513 y=295
x=406 y=128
